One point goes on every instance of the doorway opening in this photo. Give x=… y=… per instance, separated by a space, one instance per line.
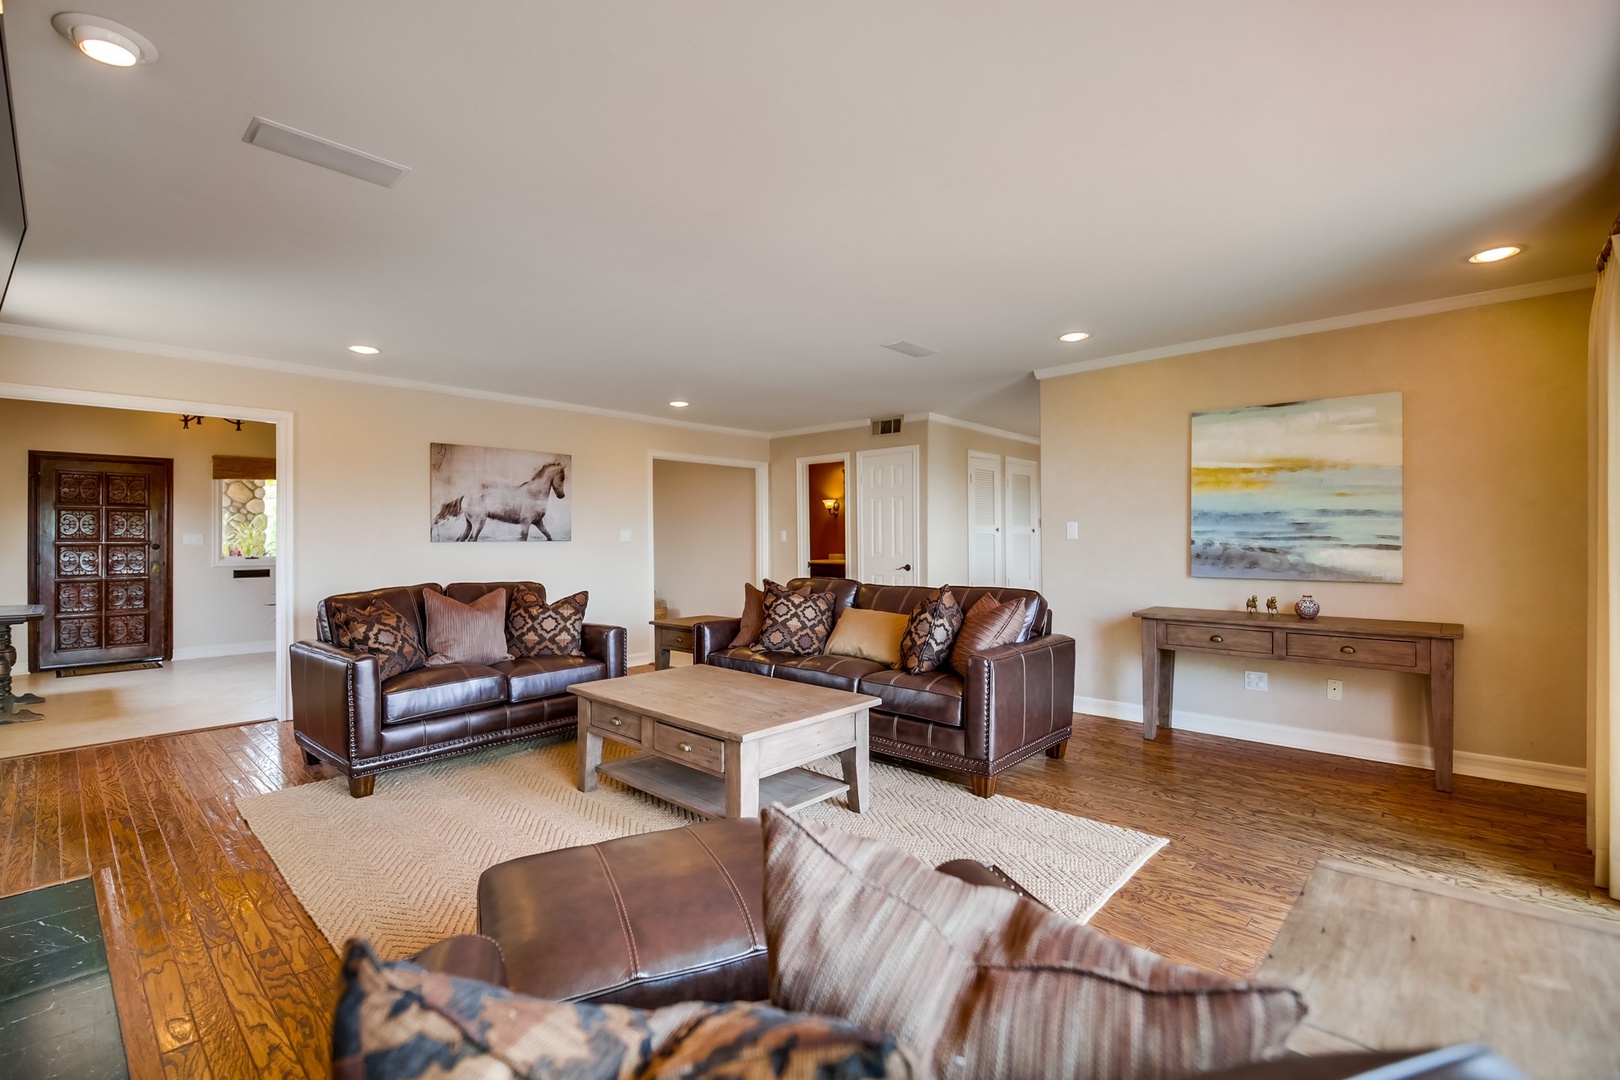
x=824 y=517
x=229 y=625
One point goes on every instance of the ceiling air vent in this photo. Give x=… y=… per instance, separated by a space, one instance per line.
x=888 y=426
x=911 y=348
x=323 y=152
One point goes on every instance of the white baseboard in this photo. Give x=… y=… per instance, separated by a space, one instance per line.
x=1486 y=766
x=636 y=659
x=239 y=648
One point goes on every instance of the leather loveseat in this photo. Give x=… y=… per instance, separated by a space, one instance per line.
x=1013 y=701
x=348 y=717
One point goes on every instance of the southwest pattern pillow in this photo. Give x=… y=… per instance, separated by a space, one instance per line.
x=377 y=627
x=795 y=622
x=930 y=632
x=401 y=1021
x=753 y=616
x=536 y=628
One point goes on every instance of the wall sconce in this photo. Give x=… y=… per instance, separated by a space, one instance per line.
x=831 y=505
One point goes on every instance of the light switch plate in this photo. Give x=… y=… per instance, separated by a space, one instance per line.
x=624 y=536
x=191 y=539
x=1072 y=530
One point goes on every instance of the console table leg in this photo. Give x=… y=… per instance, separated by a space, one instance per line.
x=1158 y=680
x=1442 y=698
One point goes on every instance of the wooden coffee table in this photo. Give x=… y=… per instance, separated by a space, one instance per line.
x=720 y=742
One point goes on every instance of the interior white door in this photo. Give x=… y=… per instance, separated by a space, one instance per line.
x=886 y=490
x=1023 y=524
x=984 y=518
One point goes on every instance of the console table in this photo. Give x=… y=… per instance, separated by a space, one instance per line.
x=15 y=615
x=1420 y=648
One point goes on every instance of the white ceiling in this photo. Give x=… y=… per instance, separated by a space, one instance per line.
x=737 y=202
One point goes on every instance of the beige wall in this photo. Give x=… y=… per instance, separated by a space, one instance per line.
x=785 y=454
x=948 y=449
x=360 y=475
x=703 y=536
x=1495 y=514
x=213 y=612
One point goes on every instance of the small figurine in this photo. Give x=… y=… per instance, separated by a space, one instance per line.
x=1271 y=605
x=1252 y=605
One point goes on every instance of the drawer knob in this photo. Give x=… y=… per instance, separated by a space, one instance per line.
x=686 y=747
x=615 y=721
x=1216 y=638
x=1350 y=649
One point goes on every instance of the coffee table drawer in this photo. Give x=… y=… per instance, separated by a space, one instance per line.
x=697 y=751
x=616 y=724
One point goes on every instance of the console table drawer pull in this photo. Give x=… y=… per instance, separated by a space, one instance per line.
x=1347 y=649
x=616 y=721
x=1216 y=638
x=686 y=748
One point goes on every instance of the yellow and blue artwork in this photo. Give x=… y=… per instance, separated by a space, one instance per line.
x=1299 y=491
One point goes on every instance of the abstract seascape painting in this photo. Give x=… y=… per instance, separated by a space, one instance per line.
x=1300 y=491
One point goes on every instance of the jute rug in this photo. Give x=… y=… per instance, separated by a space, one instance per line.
x=401 y=866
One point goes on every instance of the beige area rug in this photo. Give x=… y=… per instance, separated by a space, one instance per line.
x=401 y=866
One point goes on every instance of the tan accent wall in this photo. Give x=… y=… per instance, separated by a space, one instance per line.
x=948 y=450
x=211 y=609
x=360 y=475
x=1495 y=521
x=703 y=536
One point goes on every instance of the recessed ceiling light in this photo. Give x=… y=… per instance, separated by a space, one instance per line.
x=1078 y=335
x=365 y=350
x=679 y=404
x=1495 y=254
x=104 y=40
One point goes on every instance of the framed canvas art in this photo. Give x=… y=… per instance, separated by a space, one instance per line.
x=484 y=494
x=1299 y=491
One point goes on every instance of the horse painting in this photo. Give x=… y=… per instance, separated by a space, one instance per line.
x=523 y=505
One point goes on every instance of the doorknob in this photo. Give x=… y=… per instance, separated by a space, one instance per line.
x=906 y=568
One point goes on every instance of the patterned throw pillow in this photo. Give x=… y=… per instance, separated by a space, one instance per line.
x=377 y=627
x=930 y=632
x=460 y=633
x=535 y=628
x=401 y=1021
x=986 y=983
x=795 y=622
x=753 y=615
x=986 y=625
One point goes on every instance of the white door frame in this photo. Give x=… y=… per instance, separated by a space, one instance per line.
x=801 y=504
x=762 y=510
x=286 y=504
x=916 y=499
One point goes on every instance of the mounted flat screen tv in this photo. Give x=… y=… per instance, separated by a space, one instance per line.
x=13 y=222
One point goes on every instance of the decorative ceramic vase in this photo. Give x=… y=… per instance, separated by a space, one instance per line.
x=1306 y=608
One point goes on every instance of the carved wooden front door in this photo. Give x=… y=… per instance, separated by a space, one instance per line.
x=99 y=546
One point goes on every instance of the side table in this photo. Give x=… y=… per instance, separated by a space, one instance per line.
x=674 y=635
x=15 y=615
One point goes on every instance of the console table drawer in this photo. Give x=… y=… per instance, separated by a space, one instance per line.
x=688 y=748
x=619 y=725
x=1218 y=639
x=1374 y=652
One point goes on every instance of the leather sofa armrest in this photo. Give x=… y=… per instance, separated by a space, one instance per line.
x=609 y=644
x=337 y=699
x=712 y=635
x=1016 y=694
x=466 y=956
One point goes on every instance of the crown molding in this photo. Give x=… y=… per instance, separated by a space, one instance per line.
x=983 y=429
x=178 y=352
x=843 y=425
x=1339 y=322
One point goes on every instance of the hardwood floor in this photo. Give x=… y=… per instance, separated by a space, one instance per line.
x=219 y=972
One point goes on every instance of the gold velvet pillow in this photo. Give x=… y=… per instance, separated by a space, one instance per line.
x=986 y=625
x=985 y=982
x=869 y=635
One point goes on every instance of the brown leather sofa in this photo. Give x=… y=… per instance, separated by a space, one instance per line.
x=678 y=915
x=348 y=718
x=1012 y=702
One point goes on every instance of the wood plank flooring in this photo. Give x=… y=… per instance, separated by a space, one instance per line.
x=218 y=971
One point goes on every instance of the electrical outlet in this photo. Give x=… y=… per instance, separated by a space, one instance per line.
x=1335 y=690
x=1254 y=680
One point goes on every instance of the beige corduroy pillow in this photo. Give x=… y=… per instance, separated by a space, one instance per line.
x=986 y=983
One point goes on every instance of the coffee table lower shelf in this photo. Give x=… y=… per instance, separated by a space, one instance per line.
x=704 y=794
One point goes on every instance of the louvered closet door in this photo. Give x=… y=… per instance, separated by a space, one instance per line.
x=99 y=547
x=984 y=519
x=1023 y=524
